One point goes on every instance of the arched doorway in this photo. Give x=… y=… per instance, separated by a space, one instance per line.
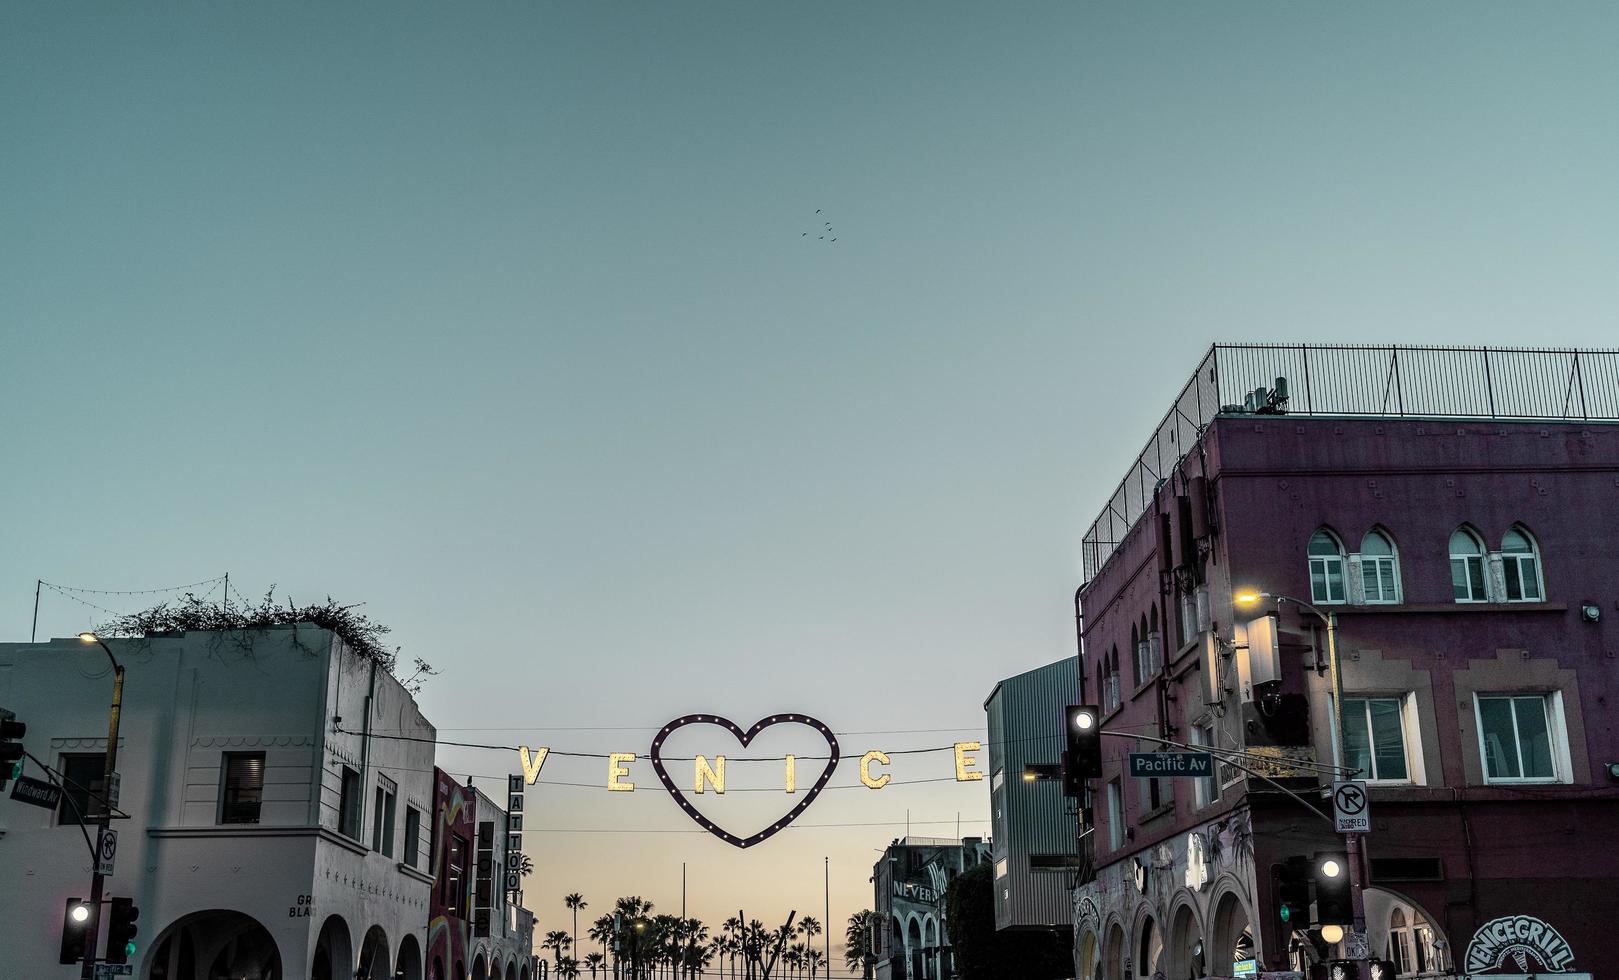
x=334 y=954
x=480 y=971
x=1113 y=956
x=221 y=944
x=1089 y=958
x=1402 y=932
x=913 y=950
x=408 y=964
x=1149 y=948
x=930 y=947
x=374 y=964
x=1233 y=937
x=511 y=970
x=1185 y=951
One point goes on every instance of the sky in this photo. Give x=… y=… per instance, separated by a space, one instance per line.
x=523 y=325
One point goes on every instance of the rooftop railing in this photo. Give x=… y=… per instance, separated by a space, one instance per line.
x=1522 y=383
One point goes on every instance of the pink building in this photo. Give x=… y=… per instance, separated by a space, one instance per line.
x=1457 y=513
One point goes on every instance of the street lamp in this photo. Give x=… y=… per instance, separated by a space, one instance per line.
x=104 y=818
x=1357 y=903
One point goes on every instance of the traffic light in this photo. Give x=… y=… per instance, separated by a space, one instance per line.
x=1332 y=902
x=1292 y=893
x=11 y=752
x=1082 y=724
x=75 y=929
x=1383 y=970
x=121 y=930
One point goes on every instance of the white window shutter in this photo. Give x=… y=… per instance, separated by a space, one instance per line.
x=1357 y=582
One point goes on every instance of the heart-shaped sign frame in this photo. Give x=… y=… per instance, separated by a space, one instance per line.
x=744 y=737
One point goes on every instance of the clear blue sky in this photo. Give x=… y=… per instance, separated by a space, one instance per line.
x=501 y=319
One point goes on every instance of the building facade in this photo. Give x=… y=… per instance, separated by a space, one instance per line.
x=1453 y=512
x=909 y=882
x=268 y=835
x=1034 y=826
x=502 y=930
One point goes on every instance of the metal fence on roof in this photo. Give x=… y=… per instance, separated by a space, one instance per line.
x=1524 y=383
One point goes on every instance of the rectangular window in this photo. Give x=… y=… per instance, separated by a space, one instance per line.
x=1516 y=738
x=83 y=772
x=1327 y=578
x=1522 y=578
x=1374 y=738
x=457 y=878
x=1467 y=578
x=242 y=795
x=413 y=835
x=1115 y=815
x=1377 y=579
x=348 y=804
x=382 y=819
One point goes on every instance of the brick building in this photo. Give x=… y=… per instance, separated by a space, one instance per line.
x=1455 y=510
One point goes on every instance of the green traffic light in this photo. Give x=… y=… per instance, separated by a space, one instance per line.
x=1287 y=914
x=129 y=949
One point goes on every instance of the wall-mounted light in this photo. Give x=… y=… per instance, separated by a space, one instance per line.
x=1590 y=612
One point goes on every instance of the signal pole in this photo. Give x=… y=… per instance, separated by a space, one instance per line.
x=104 y=817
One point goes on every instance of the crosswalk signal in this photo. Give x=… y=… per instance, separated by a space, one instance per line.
x=1332 y=901
x=121 y=930
x=11 y=751
x=1082 y=726
x=75 y=930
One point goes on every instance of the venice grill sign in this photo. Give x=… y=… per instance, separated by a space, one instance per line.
x=1519 y=944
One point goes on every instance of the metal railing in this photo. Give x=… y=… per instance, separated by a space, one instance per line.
x=1522 y=383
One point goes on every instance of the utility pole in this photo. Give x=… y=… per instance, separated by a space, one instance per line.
x=104 y=816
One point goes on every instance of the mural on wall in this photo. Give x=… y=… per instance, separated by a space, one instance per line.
x=448 y=931
x=1518 y=944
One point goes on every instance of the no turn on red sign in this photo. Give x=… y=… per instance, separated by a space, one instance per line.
x=1351 y=807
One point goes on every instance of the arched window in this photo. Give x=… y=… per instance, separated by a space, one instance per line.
x=1155 y=641
x=1326 y=568
x=1467 y=566
x=1520 y=561
x=1138 y=642
x=1110 y=680
x=1379 y=567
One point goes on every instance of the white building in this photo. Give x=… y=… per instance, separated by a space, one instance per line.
x=264 y=841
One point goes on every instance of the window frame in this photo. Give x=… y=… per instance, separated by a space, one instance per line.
x=1372 y=562
x=1205 y=789
x=382 y=821
x=1481 y=556
x=1516 y=560
x=1403 y=706
x=225 y=802
x=65 y=813
x=350 y=804
x=413 y=836
x=1115 y=813
x=1339 y=559
x=1556 y=733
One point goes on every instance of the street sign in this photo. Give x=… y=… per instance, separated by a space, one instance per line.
x=1150 y=764
x=106 y=851
x=1356 y=946
x=36 y=792
x=1351 y=806
x=114 y=785
x=105 y=971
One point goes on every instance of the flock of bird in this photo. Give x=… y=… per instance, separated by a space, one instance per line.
x=823 y=233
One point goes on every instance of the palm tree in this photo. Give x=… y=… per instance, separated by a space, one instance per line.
x=732 y=928
x=576 y=902
x=596 y=961
x=601 y=931
x=630 y=910
x=857 y=953
x=794 y=957
x=567 y=968
x=809 y=927
x=557 y=941
x=814 y=959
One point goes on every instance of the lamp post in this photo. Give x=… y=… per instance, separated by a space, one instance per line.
x=1357 y=903
x=104 y=817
